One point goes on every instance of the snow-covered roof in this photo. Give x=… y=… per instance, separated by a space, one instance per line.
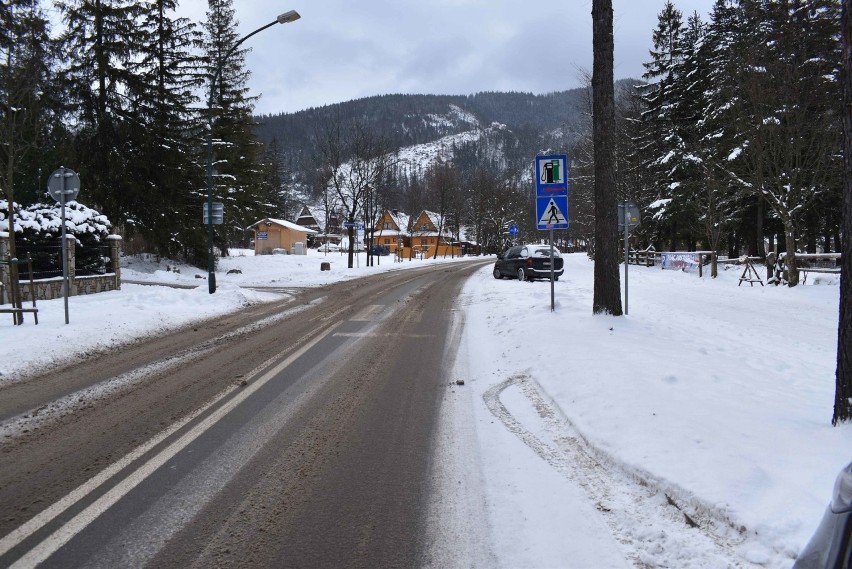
x=401 y=219
x=389 y=233
x=435 y=220
x=283 y=223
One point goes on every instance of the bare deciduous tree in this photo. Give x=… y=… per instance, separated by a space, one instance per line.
x=356 y=158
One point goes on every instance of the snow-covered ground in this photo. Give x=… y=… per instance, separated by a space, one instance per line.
x=599 y=439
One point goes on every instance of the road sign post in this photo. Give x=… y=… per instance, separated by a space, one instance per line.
x=63 y=185
x=551 y=202
x=551 y=182
x=628 y=217
x=218 y=209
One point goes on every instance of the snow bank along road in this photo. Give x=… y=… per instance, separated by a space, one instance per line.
x=292 y=434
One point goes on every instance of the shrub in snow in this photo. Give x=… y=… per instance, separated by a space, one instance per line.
x=40 y=225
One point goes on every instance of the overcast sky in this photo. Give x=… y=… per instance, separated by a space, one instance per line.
x=347 y=49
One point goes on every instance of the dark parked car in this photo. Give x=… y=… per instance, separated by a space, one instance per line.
x=831 y=545
x=528 y=262
x=379 y=250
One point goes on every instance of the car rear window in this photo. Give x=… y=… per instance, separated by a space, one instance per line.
x=539 y=252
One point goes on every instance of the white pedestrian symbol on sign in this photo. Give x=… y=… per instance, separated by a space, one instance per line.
x=552 y=215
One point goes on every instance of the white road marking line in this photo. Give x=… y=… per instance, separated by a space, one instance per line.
x=33 y=419
x=64 y=534
x=368 y=313
x=382 y=335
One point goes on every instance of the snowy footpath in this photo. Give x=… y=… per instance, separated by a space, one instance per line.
x=693 y=432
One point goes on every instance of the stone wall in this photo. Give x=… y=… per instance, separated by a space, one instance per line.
x=48 y=289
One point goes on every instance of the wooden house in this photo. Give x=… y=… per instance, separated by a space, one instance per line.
x=306 y=219
x=391 y=231
x=278 y=235
x=431 y=236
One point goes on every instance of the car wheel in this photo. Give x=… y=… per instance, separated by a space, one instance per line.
x=556 y=278
x=497 y=273
x=521 y=275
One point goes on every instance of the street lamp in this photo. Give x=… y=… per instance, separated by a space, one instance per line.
x=284 y=18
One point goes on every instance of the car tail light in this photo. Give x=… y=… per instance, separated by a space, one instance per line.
x=529 y=262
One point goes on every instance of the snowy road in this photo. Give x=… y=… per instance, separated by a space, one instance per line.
x=319 y=460
x=691 y=434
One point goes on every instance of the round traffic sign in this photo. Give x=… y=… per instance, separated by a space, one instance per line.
x=63 y=183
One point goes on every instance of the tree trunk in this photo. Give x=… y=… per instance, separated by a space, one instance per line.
x=14 y=276
x=761 y=248
x=843 y=376
x=607 y=287
x=351 y=236
x=790 y=259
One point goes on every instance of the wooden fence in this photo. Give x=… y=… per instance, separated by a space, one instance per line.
x=825 y=263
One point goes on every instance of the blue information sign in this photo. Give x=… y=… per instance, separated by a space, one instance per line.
x=551 y=190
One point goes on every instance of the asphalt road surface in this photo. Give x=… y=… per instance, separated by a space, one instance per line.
x=292 y=434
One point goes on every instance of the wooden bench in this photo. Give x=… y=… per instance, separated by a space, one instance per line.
x=806 y=270
x=822 y=263
x=16 y=310
x=17 y=307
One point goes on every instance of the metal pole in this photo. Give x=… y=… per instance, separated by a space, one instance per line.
x=552 y=275
x=287 y=17
x=626 y=254
x=64 y=245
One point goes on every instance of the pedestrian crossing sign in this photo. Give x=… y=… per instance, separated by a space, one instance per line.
x=552 y=212
x=551 y=191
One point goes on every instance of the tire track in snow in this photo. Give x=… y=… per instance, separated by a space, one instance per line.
x=656 y=526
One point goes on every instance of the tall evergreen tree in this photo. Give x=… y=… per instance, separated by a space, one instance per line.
x=24 y=78
x=687 y=173
x=237 y=152
x=730 y=42
x=168 y=143
x=787 y=110
x=278 y=183
x=704 y=195
x=101 y=43
x=29 y=99
x=660 y=142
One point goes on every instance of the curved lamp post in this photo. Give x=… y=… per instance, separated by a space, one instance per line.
x=284 y=18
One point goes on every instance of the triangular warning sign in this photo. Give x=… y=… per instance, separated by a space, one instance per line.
x=552 y=215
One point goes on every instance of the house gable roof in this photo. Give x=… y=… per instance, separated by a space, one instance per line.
x=282 y=223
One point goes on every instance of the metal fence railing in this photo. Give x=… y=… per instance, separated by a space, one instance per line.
x=47 y=260
x=92 y=260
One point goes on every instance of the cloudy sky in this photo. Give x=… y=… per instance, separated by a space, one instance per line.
x=346 y=49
